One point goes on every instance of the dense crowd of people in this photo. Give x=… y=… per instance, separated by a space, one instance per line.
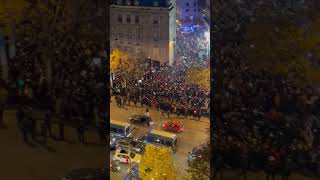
x=73 y=97
x=165 y=88
x=265 y=118
x=192 y=47
x=262 y=121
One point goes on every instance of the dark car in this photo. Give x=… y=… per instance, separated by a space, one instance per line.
x=141 y=119
x=113 y=141
x=198 y=152
x=124 y=143
x=87 y=174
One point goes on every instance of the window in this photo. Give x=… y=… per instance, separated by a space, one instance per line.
x=187 y=10
x=187 y=4
x=128 y=19
x=195 y=10
x=137 y=19
x=194 y=4
x=150 y=139
x=155 y=20
x=120 y=131
x=114 y=130
x=156 y=36
x=120 y=18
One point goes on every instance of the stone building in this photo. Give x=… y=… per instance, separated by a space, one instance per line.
x=144 y=28
x=189 y=11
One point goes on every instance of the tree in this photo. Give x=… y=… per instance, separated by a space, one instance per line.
x=157 y=163
x=285 y=46
x=199 y=76
x=199 y=168
x=11 y=12
x=118 y=59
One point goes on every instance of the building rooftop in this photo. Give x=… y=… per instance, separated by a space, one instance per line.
x=143 y=3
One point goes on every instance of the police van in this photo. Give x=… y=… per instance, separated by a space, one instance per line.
x=158 y=137
x=118 y=129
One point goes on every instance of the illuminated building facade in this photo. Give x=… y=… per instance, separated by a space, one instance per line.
x=188 y=11
x=144 y=28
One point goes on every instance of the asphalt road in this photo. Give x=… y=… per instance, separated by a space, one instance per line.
x=21 y=161
x=193 y=135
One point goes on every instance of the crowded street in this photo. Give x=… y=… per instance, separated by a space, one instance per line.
x=193 y=135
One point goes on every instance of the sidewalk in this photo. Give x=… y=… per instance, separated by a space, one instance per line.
x=38 y=162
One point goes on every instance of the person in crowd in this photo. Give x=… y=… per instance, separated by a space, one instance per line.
x=61 y=128
x=81 y=131
x=44 y=132
x=102 y=132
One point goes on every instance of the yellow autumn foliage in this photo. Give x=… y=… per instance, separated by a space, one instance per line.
x=11 y=12
x=199 y=76
x=159 y=162
x=281 y=46
x=117 y=58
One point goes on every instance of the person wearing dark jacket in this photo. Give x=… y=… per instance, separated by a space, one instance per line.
x=44 y=132
x=102 y=132
x=286 y=168
x=33 y=128
x=244 y=164
x=20 y=115
x=25 y=128
x=61 y=129
x=81 y=131
x=218 y=165
x=47 y=122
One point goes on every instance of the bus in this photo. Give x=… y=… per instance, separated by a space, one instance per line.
x=119 y=129
x=158 y=137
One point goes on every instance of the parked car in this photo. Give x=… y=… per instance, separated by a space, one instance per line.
x=141 y=119
x=124 y=143
x=86 y=174
x=122 y=156
x=198 y=152
x=175 y=126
